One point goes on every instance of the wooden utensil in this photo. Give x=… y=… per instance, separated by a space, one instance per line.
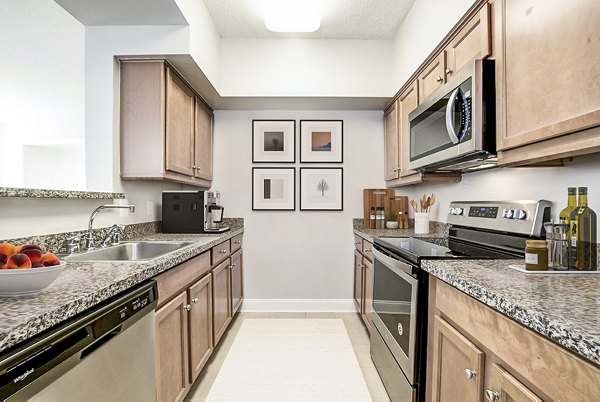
x=427 y=204
x=413 y=204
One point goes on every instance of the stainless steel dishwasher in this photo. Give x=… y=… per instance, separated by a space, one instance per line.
x=104 y=354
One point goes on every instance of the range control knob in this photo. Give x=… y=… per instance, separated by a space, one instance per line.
x=457 y=211
x=519 y=214
x=507 y=213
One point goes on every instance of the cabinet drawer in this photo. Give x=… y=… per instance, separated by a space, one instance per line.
x=236 y=242
x=177 y=278
x=221 y=252
x=358 y=243
x=367 y=250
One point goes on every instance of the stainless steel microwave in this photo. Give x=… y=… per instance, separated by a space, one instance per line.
x=454 y=128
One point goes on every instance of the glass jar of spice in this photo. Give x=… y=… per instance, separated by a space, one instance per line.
x=536 y=255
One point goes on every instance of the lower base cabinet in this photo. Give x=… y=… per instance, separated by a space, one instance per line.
x=195 y=306
x=363 y=279
x=478 y=354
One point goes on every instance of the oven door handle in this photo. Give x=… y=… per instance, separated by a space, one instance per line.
x=400 y=268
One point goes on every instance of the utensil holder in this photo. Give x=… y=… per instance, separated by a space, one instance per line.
x=421 y=222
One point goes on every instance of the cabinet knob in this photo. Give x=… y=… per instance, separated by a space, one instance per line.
x=187 y=307
x=439 y=79
x=195 y=300
x=449 y=71
x=197 y=168
x=223 y=251
x=357 y=242
x=470 y=374
x=368 y=250
x=194 y=167
x=237 y=242
x=491 y=395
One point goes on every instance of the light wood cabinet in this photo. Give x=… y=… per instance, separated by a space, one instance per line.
x=391 y=143
x=166 y=128
x=505 y=387
x=200 y=325
x=457 y=365
x=236 y=272
x=432 y=76
x=547 y=79
x=520 y=365
x=172 y=353
x=221 y=299
x=363 y=279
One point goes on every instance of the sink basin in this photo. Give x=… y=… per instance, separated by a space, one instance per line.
x=130 y=251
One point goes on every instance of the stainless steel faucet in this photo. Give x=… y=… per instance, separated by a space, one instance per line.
x=89 y=239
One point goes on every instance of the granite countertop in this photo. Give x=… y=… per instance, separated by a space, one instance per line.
x=562 y=307
x=436 y=229
x=84 y=285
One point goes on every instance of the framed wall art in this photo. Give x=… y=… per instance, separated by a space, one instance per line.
x=273 y=141
x=273 y=189
x=321 y=189
x=321 y=141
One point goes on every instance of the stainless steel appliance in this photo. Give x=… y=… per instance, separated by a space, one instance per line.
x=104 y=354
x=192 y=212
x=454 y=128
x=478 y=229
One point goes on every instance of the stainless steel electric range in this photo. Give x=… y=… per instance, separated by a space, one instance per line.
x=478 y=230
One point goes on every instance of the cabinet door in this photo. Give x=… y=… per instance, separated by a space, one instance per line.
x=358 y=281
x=432 y=77
x=408 y=101
x=179 y=136
x=390 y=131
x=470 y=43
x=221 y=300
x=172 y=350
x=457 y=366
x=504 y=388
x=203 y=143
x=236 y=271
x=547 y=73
x=220 y=252
x=368 y=296
x=200 y=325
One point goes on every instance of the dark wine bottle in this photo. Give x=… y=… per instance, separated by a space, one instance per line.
x=583 y=235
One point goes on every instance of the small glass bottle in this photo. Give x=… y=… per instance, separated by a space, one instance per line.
x=372 y=218
x=536 y=255
x=380 y=218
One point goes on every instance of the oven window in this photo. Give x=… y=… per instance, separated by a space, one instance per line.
x=392 y=301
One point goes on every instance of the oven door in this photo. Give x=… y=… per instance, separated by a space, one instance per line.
x=395 y=293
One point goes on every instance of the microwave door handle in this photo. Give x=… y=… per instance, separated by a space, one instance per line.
x=450 y=117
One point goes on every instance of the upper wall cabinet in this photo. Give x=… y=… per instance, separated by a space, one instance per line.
x=471 y=42
x=547 y=79
x=166 y=129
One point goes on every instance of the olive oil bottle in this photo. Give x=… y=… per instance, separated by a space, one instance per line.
x=583 y=234
x=565 y=214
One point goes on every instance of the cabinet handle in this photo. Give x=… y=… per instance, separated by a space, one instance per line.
x=187 y=307
x=195 y=300
x=194 y=167
x=223 y=251
x=197 y=167
x=357 y=242
x=448 y=71
x=237 y=242
x=470 y=374
x=439 y=79
x=368 y=250
x=491 y=395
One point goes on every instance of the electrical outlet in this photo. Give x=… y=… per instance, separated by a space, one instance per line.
x=149 y=208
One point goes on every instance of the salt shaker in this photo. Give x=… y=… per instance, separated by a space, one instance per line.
x=549 y=228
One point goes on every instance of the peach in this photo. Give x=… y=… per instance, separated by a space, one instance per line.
x=6 y=250
x=37 y=265
x=29 y=247
x=34 y=255
x=50 y=259
x=3 y=266
x=18 y=261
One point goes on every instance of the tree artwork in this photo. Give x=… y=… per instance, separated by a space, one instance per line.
x=322 y=186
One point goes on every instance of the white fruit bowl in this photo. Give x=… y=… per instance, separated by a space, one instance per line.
x=29 y=281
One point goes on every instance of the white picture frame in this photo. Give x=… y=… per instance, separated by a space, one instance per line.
x=273 y=141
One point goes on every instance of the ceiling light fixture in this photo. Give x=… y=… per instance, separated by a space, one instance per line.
x=292 y=16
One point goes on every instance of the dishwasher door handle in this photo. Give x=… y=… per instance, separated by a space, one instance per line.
x=99 y=342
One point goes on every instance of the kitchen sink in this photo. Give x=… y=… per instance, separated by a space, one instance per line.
x=130 y=251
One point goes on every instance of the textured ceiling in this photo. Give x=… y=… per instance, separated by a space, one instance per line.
x=341 y=19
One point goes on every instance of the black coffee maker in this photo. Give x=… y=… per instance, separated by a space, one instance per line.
x=192 y=212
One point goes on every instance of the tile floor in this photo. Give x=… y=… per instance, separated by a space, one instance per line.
x=359 y=337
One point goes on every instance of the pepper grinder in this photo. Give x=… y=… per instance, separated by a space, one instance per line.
x=549 y=228
x=560 y=248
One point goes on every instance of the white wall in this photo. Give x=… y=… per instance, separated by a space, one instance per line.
x=423 y=28
x=41 y=95
x=297 y=255
x=304 y=67
x=516 y=184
